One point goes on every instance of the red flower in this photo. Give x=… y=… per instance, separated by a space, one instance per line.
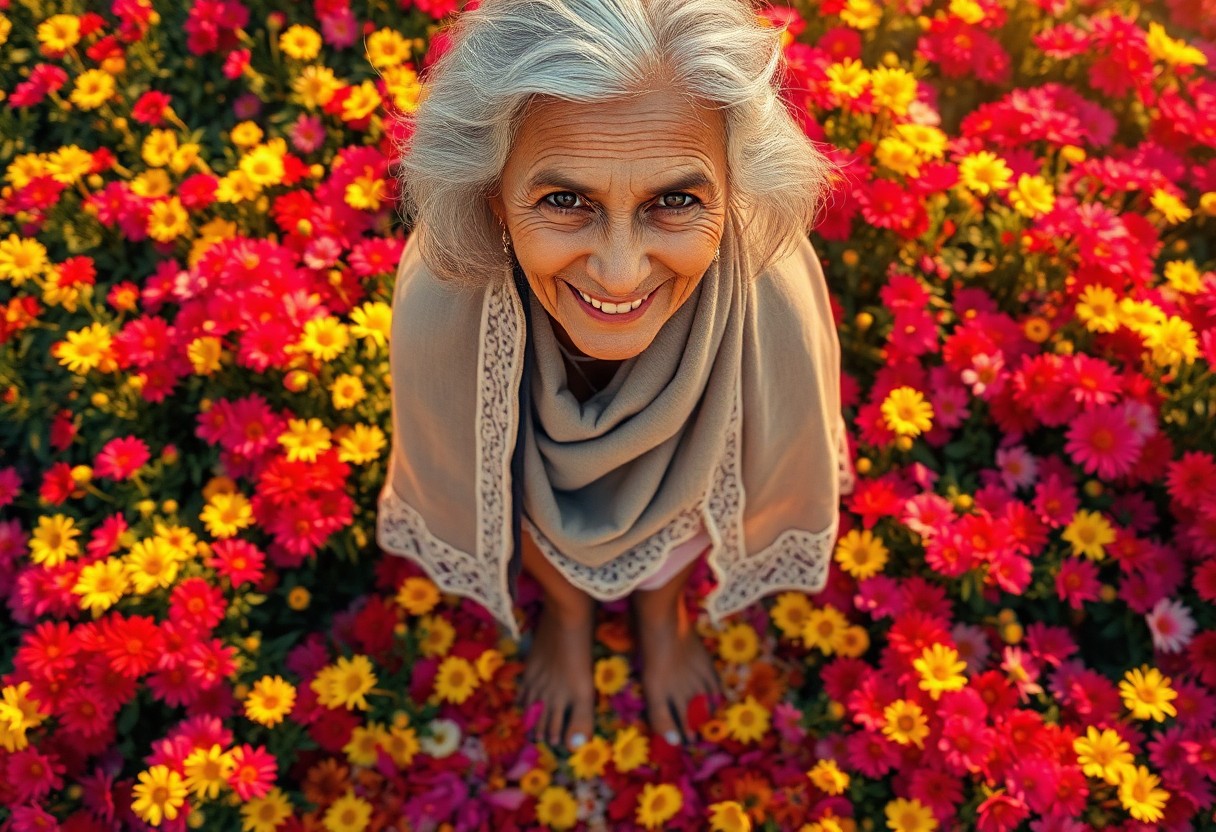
x=132 y=645
x=197 y=604
x=121 y=457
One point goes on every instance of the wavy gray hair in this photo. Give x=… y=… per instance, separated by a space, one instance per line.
x=506 y=51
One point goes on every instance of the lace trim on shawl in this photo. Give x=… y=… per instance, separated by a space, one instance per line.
x=481 y=576
x=797 y=560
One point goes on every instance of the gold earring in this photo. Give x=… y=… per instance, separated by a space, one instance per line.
x=717 y=253
x=506 y=247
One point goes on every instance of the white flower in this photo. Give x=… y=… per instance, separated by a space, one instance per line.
x=443 y=738
x=1171 y=625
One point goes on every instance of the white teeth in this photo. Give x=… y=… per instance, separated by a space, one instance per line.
x=613 y=308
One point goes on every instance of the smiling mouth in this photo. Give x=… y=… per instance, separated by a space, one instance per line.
x=611 y=308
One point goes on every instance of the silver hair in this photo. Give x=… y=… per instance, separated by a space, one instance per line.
x=507 y=51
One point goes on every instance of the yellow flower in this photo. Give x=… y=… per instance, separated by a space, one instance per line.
x=403 y=85
x=1173 y=52
x=893 y=88
x=1139 y=794
x=1147 y=694
x=362 y=102
x=22 y=259
x=906 y=412
x=159 y=794
x=630 y=749
x=534 y=781
x=738 y=643
x=967 y=10
x=270 y=700
x=347 y=391
x=298 y=598
x=207 y=771
x=153 y=183
x=69 y=164
x=1089 y=532
x=245 y=134
x=372 y=322
x=610 y=675
x=591 y=758
x=265 y=814
x=790 y=613
x=315 y=86
x=263 y=166
x=362 y=749
x=1172 y=342
x=300 y=42
x=729 y=816
x=93 y=88
x=828 y=778
x=225 y=514
x=861 y=14
x=1172 y=208
x=347 y=814
x=848 y=79
x=417 y=595
x=929 y=141
x=152 y=564
x=898 y=156
x=438 y=635
x=158 y=148
x=909 y=816
x=823 y=629
x=748 y=720
x=940 y=669
x=1184 y=276
x=54 y=541
x=324 y=338
x=86 y=349
x=167 y=220
x=852 y=641
x=345 y=683
x=658 y=804
x=101 y=584
x=488 y=663
x=905 y=722
x=455 y=680
x=556 y=808
x=1140 y=316
x=861 y=553
x=1096 y=308
x=387 y=47
x=1032 y=196
x=1102 y=753
x=402 y=744
x=304 y=439
x=205 y=354
x=361 y=443
x=59 y=32
x=365 y=193
x=984 y=172
x=18 y=714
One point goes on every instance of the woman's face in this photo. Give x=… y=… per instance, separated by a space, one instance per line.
x=621 y=201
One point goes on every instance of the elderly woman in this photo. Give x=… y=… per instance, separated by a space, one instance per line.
x=612 y=347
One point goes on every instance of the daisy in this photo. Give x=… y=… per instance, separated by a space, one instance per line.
x=828 y=778
x=739 y=643
x=861 y=553
x=1017 y=466
x=270 y=700
x=823 y=627
x=940 y=670
x=347 y=814
x=905 y=722
x=906 y=412
x=159 y=795
x=346 y=683
x=630 y=749
x=1171 y=624
x=610 y=675
x=1139 y=794
x=1089 y=533
x=747 y=721
x=658 y=804
x=455 y=680
x=1147 y=694
x=556 y=808
x=1099 y=441
x=266 y=814
x=1055 y=500
x=402 y=744
x=207 y=771
x=253 y=772
x=905 y=815
x=442 y=739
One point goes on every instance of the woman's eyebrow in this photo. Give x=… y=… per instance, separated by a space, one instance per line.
x=548 y=178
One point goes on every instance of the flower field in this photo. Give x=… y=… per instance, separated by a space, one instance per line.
x=198 y=237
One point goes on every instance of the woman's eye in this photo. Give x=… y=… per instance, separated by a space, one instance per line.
x=677 y=200
x=563 y=199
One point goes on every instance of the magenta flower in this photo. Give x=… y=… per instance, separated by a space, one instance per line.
x=1099 y=441
x=122 y=457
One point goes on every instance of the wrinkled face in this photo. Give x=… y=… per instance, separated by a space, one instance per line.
x=619 y=201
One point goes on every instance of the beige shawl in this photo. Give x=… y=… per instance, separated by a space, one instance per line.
x=730 y=418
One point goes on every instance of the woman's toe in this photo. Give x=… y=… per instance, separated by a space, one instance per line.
x=582 y=722
x=662 y=721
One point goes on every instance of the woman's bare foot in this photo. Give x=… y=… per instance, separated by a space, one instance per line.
x=557 y=672
x=675 y=664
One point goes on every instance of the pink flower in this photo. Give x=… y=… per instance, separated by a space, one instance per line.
x=984 y=376
x=1055 y=501
x=254 y=773
x=339 y=28
x=121 y=457
x=1171 y=624
x=307 y=133
x=1001 y=813
x=1077 y=582
x=1017 y=466
x=1099 y=441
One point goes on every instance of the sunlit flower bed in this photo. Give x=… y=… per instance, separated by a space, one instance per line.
x=198 y=235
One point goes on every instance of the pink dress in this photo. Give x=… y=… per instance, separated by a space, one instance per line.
x=677 y=559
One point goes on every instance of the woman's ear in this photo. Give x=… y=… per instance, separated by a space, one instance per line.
x=494 y=198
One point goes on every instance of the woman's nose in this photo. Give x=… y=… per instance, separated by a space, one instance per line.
x=619 y=264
